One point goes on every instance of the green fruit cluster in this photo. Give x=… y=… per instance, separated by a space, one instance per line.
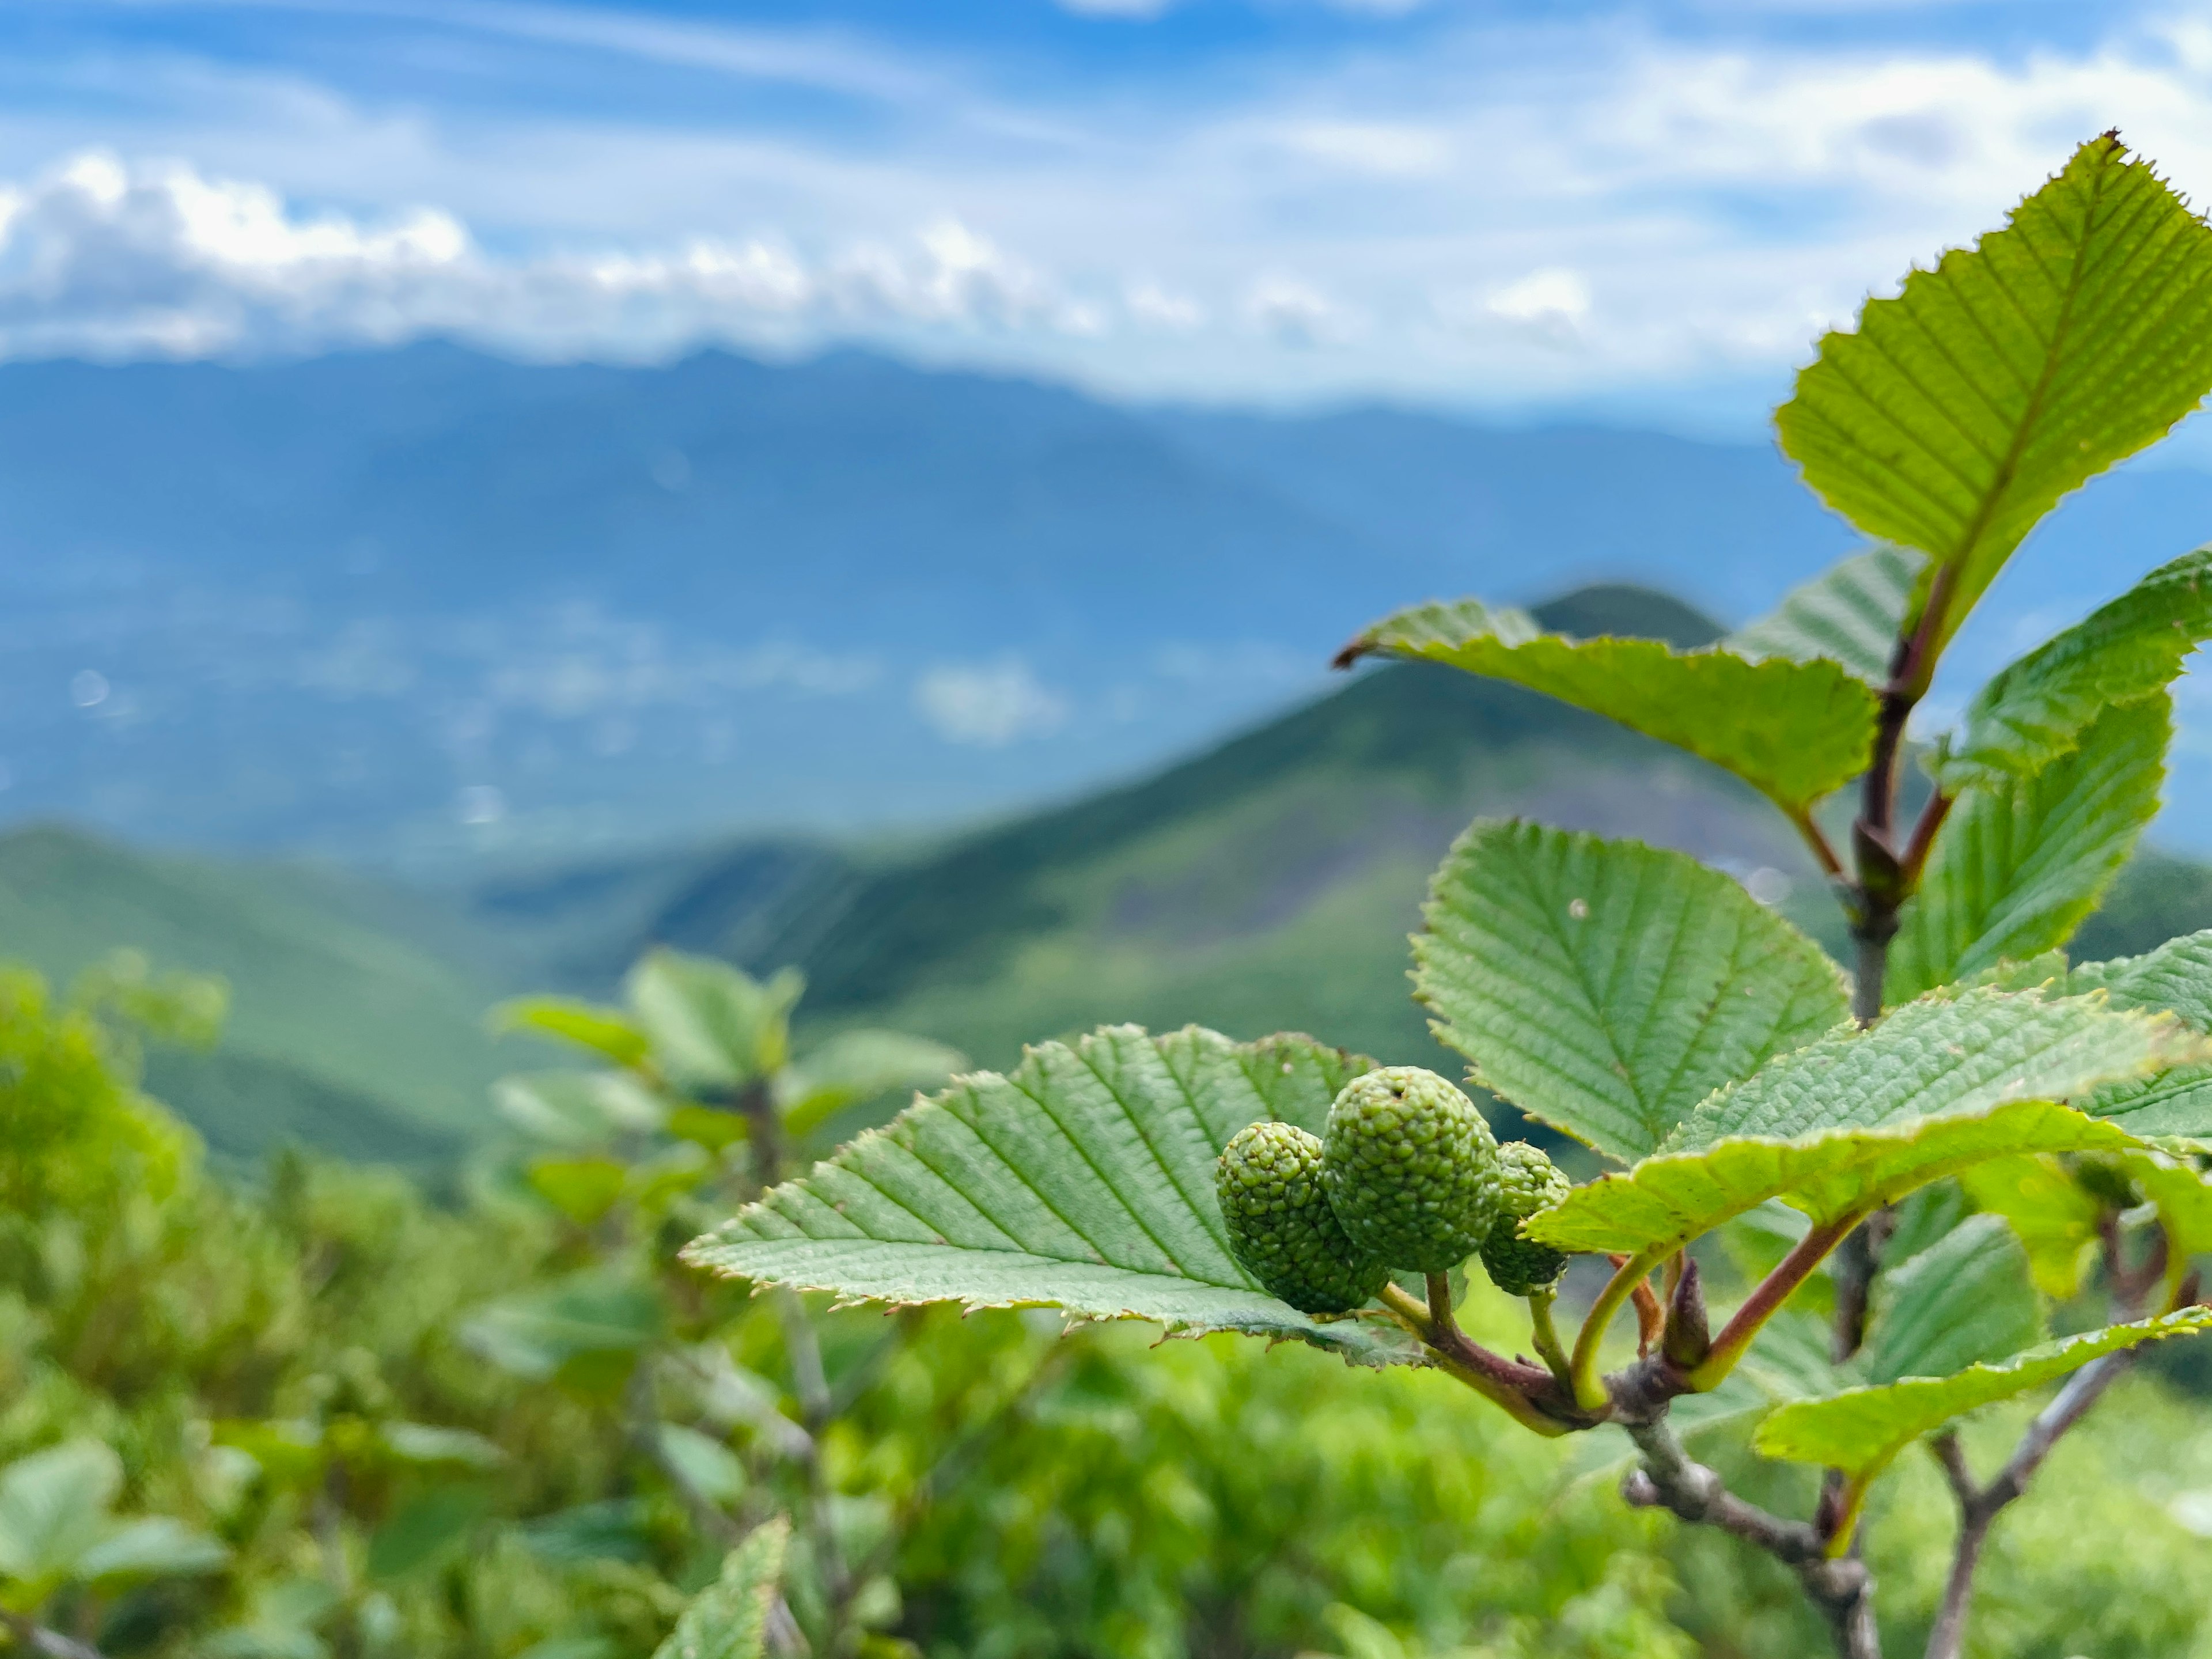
x=1409 y=1169
x=1280 y=1225
x=1527 y=1185
x=1407 y=1179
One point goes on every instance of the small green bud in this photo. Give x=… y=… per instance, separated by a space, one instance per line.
x=1409 y=1169
x=1280 y=1225
x=1527 y=1185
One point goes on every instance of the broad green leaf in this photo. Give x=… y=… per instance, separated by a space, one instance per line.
x=1850 y=614
x=604 y=1031
x=1968 y=1296
x=2176 y=977
x=729 y=1620
x=54 y=1510
x=427 y=1527
x=712 y=1027
x=618 y=1529
x=428 y=1443
x=533 y=1333
x=2183 y=1198
x=1666 y=1202
x=2054 y=1219
x=1082 y=1179
x=2020 y=864
x=1923 y=1220
x=156 y=1546
x=576 y=1108
x=2036 y=709
x=857 y=1066
x=1607 y=986
x=1861 y=1430
x=707 y=1466
x=1955 y=1054
x=581 y=1188
x=1959 y=412
x=1794 y=730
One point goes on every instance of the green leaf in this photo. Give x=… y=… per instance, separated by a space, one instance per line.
x=2036 y=710
x=1794 y=730
x=1830 y=1174
x=426 y=1527
x=729 y=1620
x=1850 y=614
x=1861 y=1430
x=2176 y=976
x=427 y=1444
x=857 y=1066
x=581 y=1188
x=2054 y=1219
x=156 y=1546
x=1960 y=411
x=1084 y=1180
x=1955 y=1054
x=604 y=1031
x=1968 y=1296
x=712 y=1027
x=579 y=1109
x=54 y=1510
x=2018 y=865
x=534 y=1334
x=2183 y=1198
x=1607 y=986
x=707 y=1465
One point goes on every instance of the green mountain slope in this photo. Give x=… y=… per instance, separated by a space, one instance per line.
x=1268 y=883
x=357 y=1011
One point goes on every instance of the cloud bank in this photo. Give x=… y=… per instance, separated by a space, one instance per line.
x=1502 y=216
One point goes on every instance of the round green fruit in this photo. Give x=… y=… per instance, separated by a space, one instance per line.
x=1527 y=1185
x=1280 y=1225
x=1409 y=1169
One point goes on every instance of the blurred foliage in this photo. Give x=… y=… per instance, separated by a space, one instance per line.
x=320 y=1416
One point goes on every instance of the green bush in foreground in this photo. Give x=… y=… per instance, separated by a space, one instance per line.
x=1922 y=1160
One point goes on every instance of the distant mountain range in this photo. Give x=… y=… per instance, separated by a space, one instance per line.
x=1267 y=883
x=404 y=605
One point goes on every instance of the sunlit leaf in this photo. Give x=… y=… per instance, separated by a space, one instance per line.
x=1861 y=1430
x=1794 y=730
x=1850 y=614
x=1958 y=413
x=156 y=1547
x=2021 y=862
x=1082 y=1179
x=2054 y=1219
x=857 y=1066
x=1607 y=986
x=729 y=1620
x=54 y=1510
x=1829 y=1174
x=1944 y=1054
x=712 y=1027
x=533 y=1333
x=604 y=1031
x=2036 y=709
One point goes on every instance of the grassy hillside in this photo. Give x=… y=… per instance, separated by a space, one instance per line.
x=357 y=1011
x=1268 y=883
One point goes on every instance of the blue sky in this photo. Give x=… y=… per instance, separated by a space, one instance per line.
x=1644 y=210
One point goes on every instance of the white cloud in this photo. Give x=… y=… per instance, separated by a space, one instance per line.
x=989 y=705
x=1292 y=311
x=1444 y=208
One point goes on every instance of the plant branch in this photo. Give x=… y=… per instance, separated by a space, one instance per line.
x=1546 y=1337
x=1590 y=1389
x=1766 y=1301
x=1496 y=1379
x=1842 y=1589
x=1817 y=839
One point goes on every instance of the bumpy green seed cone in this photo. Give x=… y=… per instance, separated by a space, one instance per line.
x=1281 y=1226
x=1527 y=1185
x=1409 y=1169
